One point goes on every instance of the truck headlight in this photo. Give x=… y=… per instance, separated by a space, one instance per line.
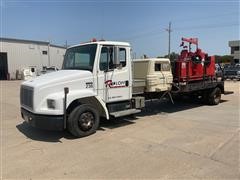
x=238 y=73
x=51 y=103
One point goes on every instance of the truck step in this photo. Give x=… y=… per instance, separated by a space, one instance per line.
x=125 y=112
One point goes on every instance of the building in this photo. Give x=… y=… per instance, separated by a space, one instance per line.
x=235 y=52
x=16 y=54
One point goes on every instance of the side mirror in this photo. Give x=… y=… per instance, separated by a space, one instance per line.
x=116 y=61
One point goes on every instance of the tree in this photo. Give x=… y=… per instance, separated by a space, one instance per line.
x=223 y=59
x=173 y=56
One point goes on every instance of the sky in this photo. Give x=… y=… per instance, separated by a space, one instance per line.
x=142 y=23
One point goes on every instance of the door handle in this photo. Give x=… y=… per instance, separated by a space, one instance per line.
x=127 y=83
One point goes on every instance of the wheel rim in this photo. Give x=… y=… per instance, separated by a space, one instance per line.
x=86 y=121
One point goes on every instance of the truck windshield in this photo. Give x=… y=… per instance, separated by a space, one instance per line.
x=80 y=57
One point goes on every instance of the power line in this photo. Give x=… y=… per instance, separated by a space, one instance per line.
x=156 y=27
x=158 y=30
x=142 y=34
x=209 y=26
x=205 y=17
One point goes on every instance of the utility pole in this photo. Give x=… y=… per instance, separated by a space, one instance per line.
x=169 y=30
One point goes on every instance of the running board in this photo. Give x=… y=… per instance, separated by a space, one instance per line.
x=125 y=112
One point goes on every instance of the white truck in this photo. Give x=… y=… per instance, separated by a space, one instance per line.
x=99 y=79
x=96 y=81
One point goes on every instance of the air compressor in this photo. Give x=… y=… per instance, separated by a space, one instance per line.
x=193 y=65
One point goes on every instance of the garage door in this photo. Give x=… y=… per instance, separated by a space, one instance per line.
x=3 y=66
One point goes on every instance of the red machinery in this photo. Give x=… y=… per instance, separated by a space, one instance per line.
x=193 y=66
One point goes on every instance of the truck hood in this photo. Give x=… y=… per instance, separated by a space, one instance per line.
x=58 y=77
x=51 y=86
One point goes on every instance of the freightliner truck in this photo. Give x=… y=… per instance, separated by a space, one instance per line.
x=100 y=80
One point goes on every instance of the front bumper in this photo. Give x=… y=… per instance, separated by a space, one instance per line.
x=47 y=122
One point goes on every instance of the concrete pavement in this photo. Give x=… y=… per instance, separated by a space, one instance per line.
x=185 y=140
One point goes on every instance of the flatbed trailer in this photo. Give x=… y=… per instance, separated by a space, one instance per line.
x=209 y=90
x=100 y=80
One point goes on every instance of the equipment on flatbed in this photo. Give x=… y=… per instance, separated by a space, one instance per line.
x=193 y=66
x=151 y=75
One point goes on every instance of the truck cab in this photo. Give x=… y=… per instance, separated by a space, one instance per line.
x=95 y=81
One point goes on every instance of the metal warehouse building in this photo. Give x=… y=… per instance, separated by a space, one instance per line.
x=235 y=50
x=16 y=54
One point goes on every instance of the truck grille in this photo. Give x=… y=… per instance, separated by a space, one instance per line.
x=26 y=96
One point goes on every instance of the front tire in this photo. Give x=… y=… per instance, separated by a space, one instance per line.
x=83 y=121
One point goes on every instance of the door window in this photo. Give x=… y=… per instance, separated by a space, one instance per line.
x=106 y=58
x=162 y=67
x=157 y=67
x=122 y=56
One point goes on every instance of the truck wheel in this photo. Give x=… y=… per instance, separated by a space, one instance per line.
x=83 y=121
x=215 y=96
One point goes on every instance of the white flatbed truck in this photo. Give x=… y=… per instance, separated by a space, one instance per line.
x=98 y=79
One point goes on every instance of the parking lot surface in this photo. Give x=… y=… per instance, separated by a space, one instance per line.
x=184 y=140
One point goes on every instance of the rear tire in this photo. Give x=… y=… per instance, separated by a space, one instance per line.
x=215 y=96
x=83 y=121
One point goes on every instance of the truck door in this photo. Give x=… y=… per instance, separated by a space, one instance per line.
x=114 y=80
